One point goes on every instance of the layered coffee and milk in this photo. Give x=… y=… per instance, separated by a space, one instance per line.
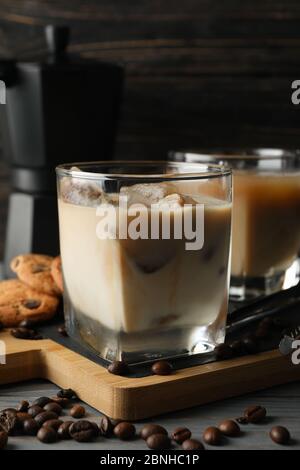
x=266 y=223
x=134 y=286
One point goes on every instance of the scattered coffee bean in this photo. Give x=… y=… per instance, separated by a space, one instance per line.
x=212 y=436
x=53 y=423
x=41 y=418
x=181 y=434
x=23 y=416
x=192 y=444
x=3 y=439
x=77 y=411
x=62 y=331
x=250 y=345
x=106 y=427
x=23 y=333
x=124 y=431
x=162 y=368
x=63 y=402
x=27 y=324
x=158 y=442
x=223 y=351
x=47 y=435
x=255 y=413
x=280 y=435
x=63 y=430
x=118 y=368
x=42 y=401
x=242 y=420
x=55 y=407
x=82 y=431
x=10 y=423
x=67 y=393
x=150 y=429
x=23 y=406
x=30 y=427
x=34 y=410
x=229 y=428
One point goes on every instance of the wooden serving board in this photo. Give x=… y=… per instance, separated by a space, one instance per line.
x=137 y=398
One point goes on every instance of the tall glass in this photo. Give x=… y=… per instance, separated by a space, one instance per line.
x=145 y=249
x=266 y=216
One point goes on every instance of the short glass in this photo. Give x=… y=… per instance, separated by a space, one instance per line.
x=266 y=217
x=145 y=249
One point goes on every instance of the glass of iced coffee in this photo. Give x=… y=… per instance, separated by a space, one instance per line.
x=145 y=249
x=266 y=216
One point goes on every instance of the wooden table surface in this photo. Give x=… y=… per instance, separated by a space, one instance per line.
x=282 y=405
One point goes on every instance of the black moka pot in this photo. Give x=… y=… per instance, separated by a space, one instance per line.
x=59 y=109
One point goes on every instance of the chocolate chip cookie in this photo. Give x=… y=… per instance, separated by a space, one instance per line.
x=35 y=271
x=57 y=273
x=19 y=302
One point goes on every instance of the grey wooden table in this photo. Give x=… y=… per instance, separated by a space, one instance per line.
x=282 y=403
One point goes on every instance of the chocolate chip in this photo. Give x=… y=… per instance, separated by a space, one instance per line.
x=67 y=393
x=23 y=406
x=30 y=427
x=82 y=431
x=3 y=439
x=162 y=368
x=229 y=428
x=41 y=401
x=53 y=423
x=62 y=331
x=77 y=411
x=31 y=304
x=41 y=418
x=255 y=413
x=106 y=427
x=34 y=410
x=212 y=436
x=280 y=435
x=150 y=429
x=181 y=434
x=223 y=351
x=192 y=444
x=124 y=431
x=118 y=368
x=63 y=430
x=55 y=407
x=47 y=435
x=158 y=442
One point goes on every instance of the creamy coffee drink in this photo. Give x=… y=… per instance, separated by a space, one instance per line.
x=122 y=288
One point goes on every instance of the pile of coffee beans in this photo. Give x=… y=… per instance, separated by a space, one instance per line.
x=43 y=419
x=158 y=368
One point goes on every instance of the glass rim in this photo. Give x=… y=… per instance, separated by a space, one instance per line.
x=209 y=170
x=247 y=153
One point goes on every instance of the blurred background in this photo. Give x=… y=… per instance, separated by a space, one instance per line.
x=199 y=73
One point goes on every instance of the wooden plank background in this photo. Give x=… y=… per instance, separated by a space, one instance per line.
x=199 y=73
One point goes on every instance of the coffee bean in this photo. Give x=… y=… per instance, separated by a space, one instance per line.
x=229 y=428
x=223 y=351
x=23 y=406
x=82 y=431
x=77 y=411
x=280 y=435
x=41 y=418
x=192 y=444
x=23 y=333
x=63 y=402
x=106 y=427
x=47 y=435
x=158 y=442
x=242 y=420
x=34 y=410
x=67 y=393
x=63 y=430
x=250 y=345
x=10 y=423
x=27 y=323
x=212 y=436
x=30 y=427
x=124 y=431
x=22 y=416
x=150 y=429
x=181 y=434
x=255 y=413
x=62 y=331
x=118 y=368
x=162 y=368
x=96 y=428
x=53 y=423
x=3 y=439
x=42 y=401
x=55 y=407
